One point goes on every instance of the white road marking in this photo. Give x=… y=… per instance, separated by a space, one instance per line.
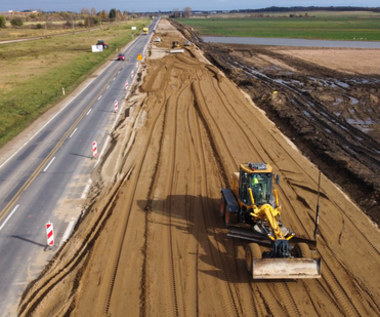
x=9 y=217
x=73 y=132
x=88 y=112
x=100 y=97
x=46 y=168
x=70 y=99
x=68 y=232
x=86 y=189
x=108 y=87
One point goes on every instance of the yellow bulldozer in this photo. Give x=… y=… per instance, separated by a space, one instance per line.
x=251 y=211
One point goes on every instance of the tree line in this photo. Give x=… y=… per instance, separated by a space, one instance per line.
x=86 y=18
x=309 y=8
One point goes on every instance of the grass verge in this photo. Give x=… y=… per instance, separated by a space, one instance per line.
x=34 y=73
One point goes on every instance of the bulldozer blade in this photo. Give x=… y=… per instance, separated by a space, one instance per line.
x=286 y=268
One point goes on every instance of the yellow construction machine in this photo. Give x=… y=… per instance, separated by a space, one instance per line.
x=251 y=211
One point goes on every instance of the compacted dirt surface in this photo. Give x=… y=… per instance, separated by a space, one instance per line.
x=151 y=241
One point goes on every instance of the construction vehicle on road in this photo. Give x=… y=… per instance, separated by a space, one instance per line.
x=145 y=31
x=251 y=211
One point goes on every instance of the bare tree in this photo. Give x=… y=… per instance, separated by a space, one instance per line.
x=187 y=12
x=103 y=16
x=126 y=15
x=85 y=12
x=119 y=16
x=176 y=13
x=93 y=12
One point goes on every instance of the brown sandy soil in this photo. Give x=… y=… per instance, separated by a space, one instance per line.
x=152 y=243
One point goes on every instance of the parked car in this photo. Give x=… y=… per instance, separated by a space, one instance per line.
x=121 y=57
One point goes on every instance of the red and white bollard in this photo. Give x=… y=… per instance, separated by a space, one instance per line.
x=132 y=74
x=116 y=106
x=50 y=234
x=126 y=85
x=94 y=149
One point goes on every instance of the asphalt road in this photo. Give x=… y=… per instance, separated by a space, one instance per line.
x=359 y=43
x=44 y=180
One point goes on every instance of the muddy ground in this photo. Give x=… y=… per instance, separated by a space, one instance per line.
x=326 y=100
x=151 y=241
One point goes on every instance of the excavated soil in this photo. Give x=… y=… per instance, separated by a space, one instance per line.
x=151 y=242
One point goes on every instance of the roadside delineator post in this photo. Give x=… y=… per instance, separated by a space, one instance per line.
x=126 y=84
x=116 y=106
x=132 y=74
x=94 y=149
x=50 y=234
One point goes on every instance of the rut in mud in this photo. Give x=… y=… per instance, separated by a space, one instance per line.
x=152 y=242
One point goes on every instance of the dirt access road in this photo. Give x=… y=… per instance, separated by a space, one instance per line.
x=152 y=243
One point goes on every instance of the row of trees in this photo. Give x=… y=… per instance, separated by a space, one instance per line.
x=16 y=21
x=186 y=13
x=86 y=18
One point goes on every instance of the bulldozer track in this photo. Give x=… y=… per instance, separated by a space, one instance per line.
x=229 y=298
x=116 y=259
x=289 y=304
x=171 y=177
x=147 y=209
x=344 y=299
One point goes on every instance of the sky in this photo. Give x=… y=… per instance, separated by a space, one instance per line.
x=169 y=5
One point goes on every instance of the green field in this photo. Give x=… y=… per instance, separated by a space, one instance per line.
x=33 y=73
x=318 y=25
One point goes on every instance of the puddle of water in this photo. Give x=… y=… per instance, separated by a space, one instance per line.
x=342 y=84
x=307 y=114
x=360 y=122
x=354 y=101
x=338 y=101
x=362 y=125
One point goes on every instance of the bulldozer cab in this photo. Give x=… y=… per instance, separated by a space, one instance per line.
x=259 y=179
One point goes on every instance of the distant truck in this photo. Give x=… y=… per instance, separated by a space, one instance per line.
x=145 y=31
x=104 y=44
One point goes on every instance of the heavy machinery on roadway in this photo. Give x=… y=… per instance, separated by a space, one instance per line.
x=145 y=31
x=251 y=211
